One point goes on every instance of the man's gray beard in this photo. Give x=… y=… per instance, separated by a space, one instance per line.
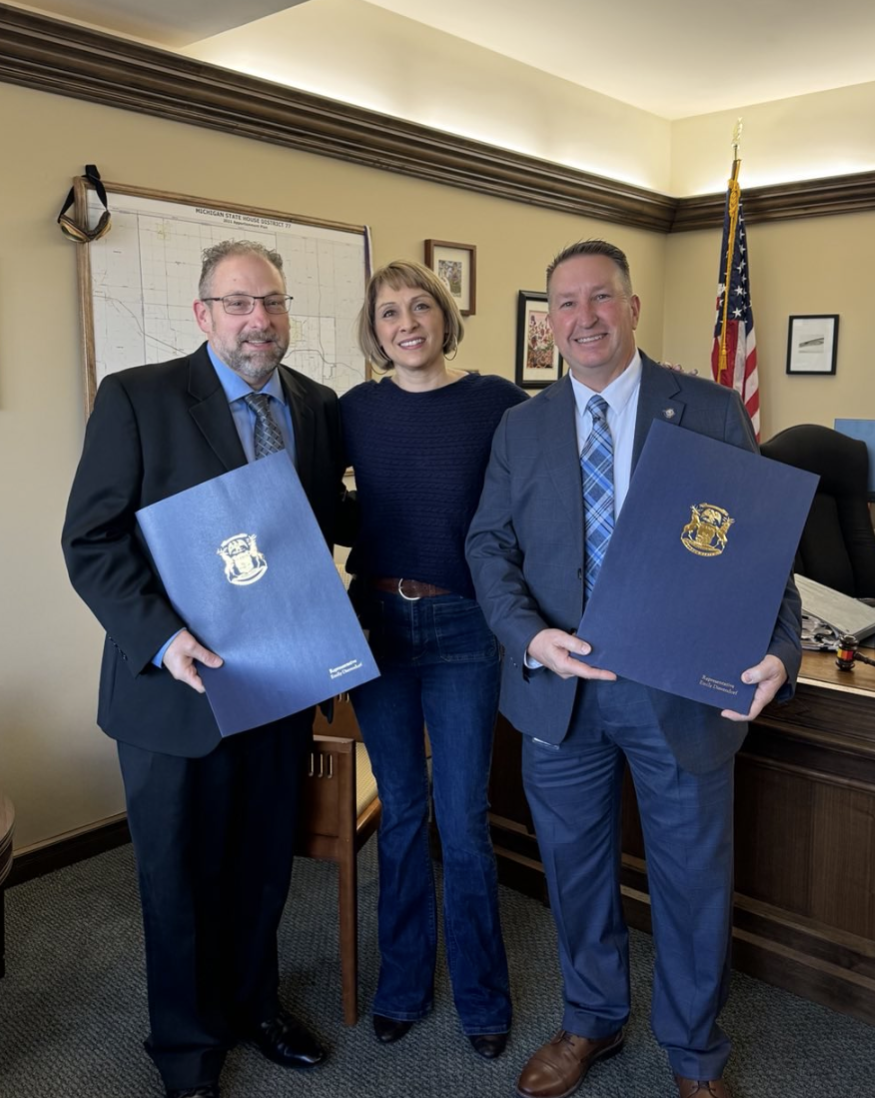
x=258 y=365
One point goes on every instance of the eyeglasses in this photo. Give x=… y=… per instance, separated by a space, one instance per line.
x=242 y=304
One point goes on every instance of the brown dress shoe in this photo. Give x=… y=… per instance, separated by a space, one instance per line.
x=701 y=1088
x=557 y=1068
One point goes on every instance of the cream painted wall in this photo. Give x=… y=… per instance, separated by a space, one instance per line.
x=58 y=768
x=819 y=265
x=56 y=765
x=363 y=54
x=415 y=72
x=806 y=137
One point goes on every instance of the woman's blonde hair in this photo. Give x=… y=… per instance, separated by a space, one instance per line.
x=412 y=276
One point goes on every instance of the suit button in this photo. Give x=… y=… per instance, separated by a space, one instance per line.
x=580 y=573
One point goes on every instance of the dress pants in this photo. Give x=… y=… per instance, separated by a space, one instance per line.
x=213 y=839
x=574 y=790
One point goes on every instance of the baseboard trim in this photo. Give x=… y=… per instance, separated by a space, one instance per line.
x=69 y=848
x=798 y=955
x=802 y=956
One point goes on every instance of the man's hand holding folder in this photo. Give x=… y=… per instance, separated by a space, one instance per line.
x=556 y=649
x=769 y=676
x=181 y=658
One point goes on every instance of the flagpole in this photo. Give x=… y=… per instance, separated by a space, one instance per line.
x=732 y=200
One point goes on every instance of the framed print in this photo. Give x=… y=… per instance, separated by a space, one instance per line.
x=812 y=343
x=538 y=362
x=456 y=266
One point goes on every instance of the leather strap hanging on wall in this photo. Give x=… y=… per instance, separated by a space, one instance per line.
x=84 y=235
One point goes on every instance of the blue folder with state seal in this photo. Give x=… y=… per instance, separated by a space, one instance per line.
x=689 y=591
x=245 y=564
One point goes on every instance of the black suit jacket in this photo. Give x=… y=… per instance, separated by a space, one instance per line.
x=155 y=431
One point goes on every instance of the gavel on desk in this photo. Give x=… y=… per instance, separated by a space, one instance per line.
x=847 y=654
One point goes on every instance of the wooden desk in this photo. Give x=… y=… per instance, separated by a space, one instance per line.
x=7 y=827
x=804 y=833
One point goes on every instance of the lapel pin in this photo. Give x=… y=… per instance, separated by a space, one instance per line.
x=668 y=413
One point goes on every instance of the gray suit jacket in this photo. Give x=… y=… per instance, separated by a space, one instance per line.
x=525 y=551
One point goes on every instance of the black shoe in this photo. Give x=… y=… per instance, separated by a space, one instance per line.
x=285 y=1041
x=208 y=1090
x=390 y=1029
x=489 y=1045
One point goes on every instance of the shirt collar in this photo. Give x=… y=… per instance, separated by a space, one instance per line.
x=236 y=388
x=617 y=394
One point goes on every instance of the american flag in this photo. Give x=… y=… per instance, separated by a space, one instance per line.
x=734 y=355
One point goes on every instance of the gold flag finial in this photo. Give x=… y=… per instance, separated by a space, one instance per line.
x=736 y=137
x=733 y=199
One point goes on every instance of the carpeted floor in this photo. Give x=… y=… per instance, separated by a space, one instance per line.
x=73 y=1010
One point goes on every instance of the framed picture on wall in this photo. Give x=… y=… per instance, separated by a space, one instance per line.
x=812 y=343
x=456 y=266
x=538 y=362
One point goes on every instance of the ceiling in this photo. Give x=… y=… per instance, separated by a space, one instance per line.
x=167 y=23
x=675 y=59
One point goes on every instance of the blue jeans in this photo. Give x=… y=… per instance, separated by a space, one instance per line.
x=439 y=666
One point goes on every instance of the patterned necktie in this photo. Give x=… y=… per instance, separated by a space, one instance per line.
x=267 y=438
x=597 y=464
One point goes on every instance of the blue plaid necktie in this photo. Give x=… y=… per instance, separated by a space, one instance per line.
x=597 y=464
x=267 y=437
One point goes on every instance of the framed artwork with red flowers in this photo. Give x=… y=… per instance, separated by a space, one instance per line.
x=538 y=362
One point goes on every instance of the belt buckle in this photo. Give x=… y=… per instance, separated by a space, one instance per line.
x=408 y=598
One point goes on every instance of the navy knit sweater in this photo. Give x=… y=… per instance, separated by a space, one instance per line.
x=419 y=461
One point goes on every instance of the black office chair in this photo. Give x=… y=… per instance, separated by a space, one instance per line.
x=838 y=543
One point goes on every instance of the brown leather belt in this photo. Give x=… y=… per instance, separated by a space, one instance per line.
x=409 y=589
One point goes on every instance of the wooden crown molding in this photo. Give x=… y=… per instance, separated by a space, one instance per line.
x=838 y=194
x=67 y=59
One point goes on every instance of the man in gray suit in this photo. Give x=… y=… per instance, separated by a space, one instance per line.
x=580 y=724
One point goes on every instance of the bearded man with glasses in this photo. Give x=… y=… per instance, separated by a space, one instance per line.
x=212 y=820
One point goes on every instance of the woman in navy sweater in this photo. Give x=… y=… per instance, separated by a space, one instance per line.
x=419 y=440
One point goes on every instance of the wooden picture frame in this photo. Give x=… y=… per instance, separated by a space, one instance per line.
x=538 y=362
x=812 y=344
x=456 y=266
x=124 y=325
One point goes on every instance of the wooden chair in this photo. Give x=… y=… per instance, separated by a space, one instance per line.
x=341 y=810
